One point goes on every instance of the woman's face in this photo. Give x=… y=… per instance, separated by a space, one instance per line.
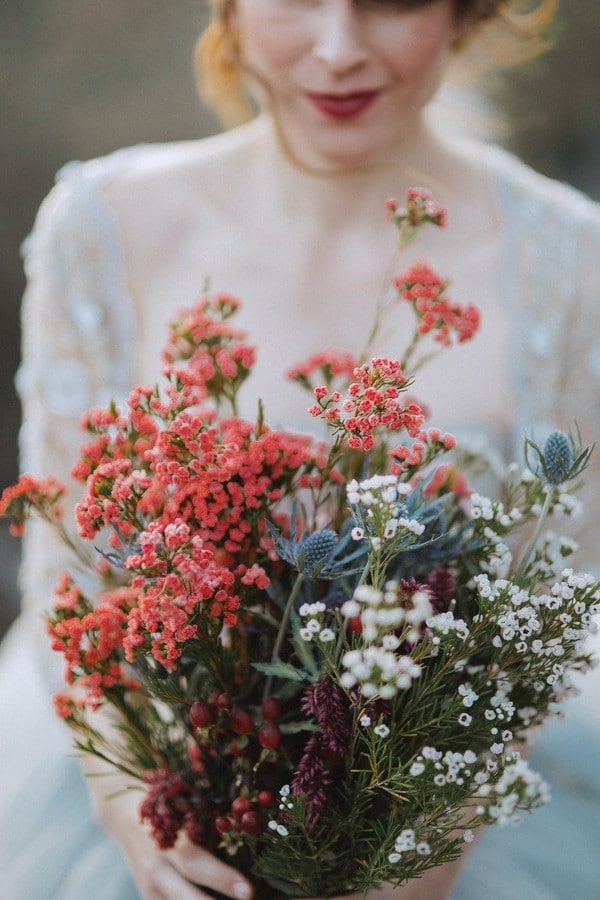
x=346 y=80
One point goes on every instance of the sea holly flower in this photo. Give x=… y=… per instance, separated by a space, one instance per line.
x=563 y=458
x=318 y=554
x=318 y=547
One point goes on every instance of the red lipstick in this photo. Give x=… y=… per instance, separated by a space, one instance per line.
x=343 y=106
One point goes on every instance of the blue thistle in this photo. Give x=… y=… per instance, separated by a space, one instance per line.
x=558 y=457
x=563 y=457
x=319 y=554
x=318 y=546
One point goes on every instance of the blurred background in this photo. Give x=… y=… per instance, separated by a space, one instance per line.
x=79 y=78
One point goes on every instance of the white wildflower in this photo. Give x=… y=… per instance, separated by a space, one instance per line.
x=381 y=730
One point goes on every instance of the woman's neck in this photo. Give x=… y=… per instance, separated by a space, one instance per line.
x=329 y=195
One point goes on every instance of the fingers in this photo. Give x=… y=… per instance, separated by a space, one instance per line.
x=158 y=879
x=168 y=884
x=168 y=874
x=201 y=867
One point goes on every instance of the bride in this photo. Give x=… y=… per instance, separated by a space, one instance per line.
x=286 y=211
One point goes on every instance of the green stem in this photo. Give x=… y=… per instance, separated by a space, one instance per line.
x=423 y=360
x=283 y=628
x=536 y=534
x=366 y=570
x=410 y=349
x=384 y=301
x=65 y=537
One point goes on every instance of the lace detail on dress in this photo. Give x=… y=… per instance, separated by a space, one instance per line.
x=78 y=328
x=551 y=277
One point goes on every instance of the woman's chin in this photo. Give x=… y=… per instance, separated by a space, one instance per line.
x=331 y=146
x=337 y=152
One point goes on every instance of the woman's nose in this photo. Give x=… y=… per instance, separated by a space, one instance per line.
x=340 y=43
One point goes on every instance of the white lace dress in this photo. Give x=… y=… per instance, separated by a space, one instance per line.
x=79 y=330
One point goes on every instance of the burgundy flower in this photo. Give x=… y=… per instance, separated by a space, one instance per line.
x=442 y=585
x=311 y=778
x=328 y=704
x=165 y=805
x=194 y=827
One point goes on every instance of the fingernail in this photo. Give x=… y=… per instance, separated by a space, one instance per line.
x=242 y=890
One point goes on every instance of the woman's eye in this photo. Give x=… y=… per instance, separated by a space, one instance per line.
x=403 y=4
x=392 y=6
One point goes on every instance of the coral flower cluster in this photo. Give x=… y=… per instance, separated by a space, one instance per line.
x=371 y=402
x=425 y=290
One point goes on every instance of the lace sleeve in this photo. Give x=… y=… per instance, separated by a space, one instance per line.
x=551 y=278
x=580 y=371
x=77 y=338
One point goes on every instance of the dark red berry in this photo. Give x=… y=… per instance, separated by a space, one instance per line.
x=223 y=701
x=201 y=715
x=269 y=735
x=239 y=747
x=267 y=799
x=251 y=823
x=196 y=758
x=355 y=624
x=270 y=708
x=240 y=720
x=240 y=805
x=223 y=824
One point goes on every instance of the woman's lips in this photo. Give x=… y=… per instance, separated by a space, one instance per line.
x=343 y=106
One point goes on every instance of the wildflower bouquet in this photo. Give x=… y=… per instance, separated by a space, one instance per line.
x=319 y=655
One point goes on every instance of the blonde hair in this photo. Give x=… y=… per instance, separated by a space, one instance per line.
x=218 y=68
x=504 y=32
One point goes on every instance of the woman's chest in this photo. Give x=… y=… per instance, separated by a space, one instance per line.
x=301 y=293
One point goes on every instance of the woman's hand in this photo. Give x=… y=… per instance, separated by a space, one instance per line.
x=181 y=872
x=175 y=874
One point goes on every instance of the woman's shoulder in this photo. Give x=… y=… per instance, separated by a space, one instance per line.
x=132 y=171
x=523 y=195
x=98 y=209
x=198 y=164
